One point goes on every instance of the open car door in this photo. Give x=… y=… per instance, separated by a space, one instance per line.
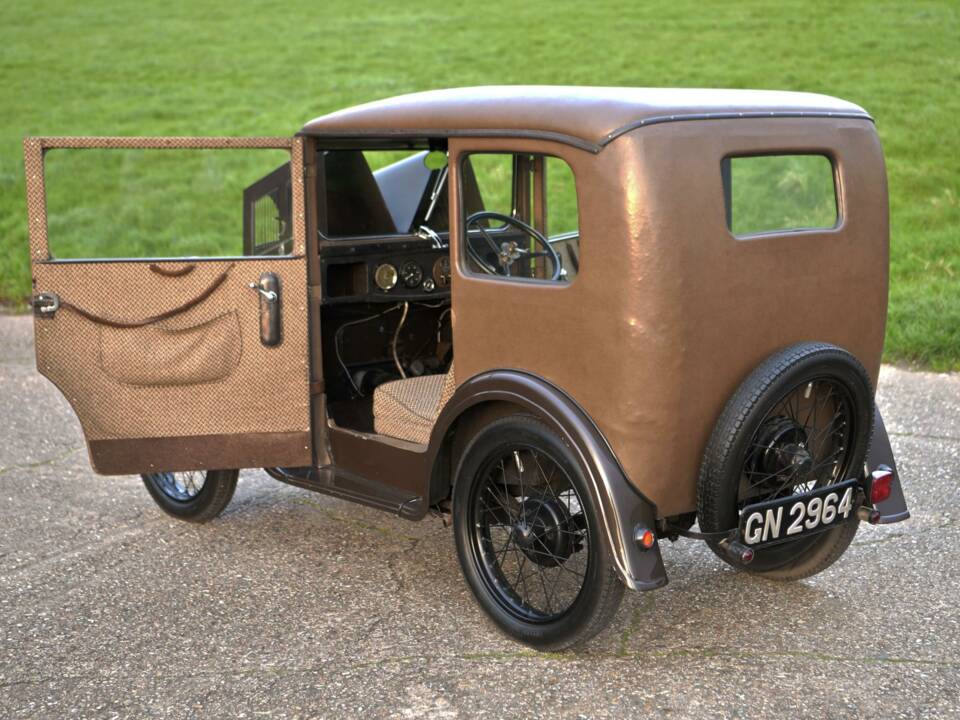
x=179 y=363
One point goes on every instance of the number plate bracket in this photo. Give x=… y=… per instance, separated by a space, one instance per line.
x=776 y=521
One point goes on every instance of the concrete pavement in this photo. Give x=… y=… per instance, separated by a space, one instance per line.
x=294 y=604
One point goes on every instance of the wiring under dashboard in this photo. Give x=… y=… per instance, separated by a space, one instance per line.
x=338 y=339
x=396 y=337
x=444 y=314
x=405 y=307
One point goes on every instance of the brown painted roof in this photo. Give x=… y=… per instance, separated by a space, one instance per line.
x=588 y=117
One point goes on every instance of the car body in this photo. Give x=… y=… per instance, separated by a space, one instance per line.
x=629 y=352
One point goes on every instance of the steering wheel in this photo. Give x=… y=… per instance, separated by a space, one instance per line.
x=509 y=251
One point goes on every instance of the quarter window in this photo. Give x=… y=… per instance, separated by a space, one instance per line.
x=520 y=216
x=777 y=193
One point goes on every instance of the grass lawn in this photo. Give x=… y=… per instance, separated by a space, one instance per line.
x=134 y=67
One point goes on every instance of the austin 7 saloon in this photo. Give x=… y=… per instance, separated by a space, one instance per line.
x=576 y=321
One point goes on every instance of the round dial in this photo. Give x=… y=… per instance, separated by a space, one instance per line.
x=385 y=276
x=412 y=274
x=441 y=272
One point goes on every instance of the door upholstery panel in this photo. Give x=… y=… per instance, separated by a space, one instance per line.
x=171 y=352
x=162 y=359
x=253 y=389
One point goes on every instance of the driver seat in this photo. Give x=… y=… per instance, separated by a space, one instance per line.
x=407 y=409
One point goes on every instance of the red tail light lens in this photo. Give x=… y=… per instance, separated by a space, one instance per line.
x=644 y=537
x=880 y=485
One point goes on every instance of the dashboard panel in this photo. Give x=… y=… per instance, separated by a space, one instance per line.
x=384 y=271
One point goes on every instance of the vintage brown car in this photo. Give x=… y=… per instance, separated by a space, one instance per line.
x=666 y=308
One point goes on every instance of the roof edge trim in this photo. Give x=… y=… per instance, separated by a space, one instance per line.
x=660 y=119
x=424 y=133
x=579 y=143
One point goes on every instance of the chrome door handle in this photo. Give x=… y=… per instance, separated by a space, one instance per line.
x=268 y=295
x=271 y=328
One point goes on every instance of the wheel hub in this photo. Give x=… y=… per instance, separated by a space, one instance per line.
x=785 y=450
x=543 y=532
x=180 y=486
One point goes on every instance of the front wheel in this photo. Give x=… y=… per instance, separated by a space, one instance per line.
x=529 y=537
x=196 y=495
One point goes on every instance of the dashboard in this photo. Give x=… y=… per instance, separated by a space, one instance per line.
x=412 y=276
x=384 y=272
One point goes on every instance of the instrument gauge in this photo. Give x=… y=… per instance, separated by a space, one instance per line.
x=412 y=274
x=385 y=276
x=441 y=272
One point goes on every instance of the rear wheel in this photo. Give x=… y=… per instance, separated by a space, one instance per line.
x=195 y=495
x=529 y=537
x=800 y=421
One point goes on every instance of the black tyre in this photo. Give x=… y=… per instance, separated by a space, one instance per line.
x=803 y=419
x=529 y=537
x=196 y=496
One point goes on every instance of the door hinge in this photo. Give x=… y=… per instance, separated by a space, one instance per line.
x=46 y=304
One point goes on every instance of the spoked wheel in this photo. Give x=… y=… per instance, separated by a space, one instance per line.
x=180 y=486
x=802 y=420
x=528 y=537
x=532 y=543
x=194 y=495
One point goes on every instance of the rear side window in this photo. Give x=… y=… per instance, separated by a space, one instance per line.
x=777 y=193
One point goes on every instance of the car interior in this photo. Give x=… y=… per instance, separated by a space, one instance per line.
x=383 y=224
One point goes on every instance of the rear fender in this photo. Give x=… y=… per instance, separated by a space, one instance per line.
x=894 y=508
x=622 y=507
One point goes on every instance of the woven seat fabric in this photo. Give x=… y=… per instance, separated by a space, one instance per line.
x=407 y=409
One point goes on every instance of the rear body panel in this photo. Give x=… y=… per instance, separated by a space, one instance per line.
x=670 y=311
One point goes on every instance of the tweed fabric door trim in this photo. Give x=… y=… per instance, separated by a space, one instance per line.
x=160 y=355
x=164 y=365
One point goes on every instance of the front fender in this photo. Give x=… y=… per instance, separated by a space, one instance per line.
x=622 y=507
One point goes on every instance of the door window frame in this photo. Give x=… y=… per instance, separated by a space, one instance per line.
x=34 y=149
x=532 y=202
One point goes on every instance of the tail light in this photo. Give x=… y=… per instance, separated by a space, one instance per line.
x=870 y=515
x=881 y=483
x=644 y=537
x=737 y=551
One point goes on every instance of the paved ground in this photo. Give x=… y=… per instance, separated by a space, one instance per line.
x=297 y=605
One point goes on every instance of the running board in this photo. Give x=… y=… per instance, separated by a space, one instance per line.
x=356 y=489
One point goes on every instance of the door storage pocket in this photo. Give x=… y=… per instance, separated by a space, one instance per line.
x=166 y=355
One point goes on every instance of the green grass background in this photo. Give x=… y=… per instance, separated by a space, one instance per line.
x=242 y=68
x=150 y=203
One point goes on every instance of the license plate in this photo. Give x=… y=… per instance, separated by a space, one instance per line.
x=798 y=515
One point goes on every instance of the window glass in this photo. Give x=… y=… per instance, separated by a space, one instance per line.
x=381 y=192
x=537 y=193
x=561 y=198
x=773 y=193
x=268 y=214
x=162 y=203
x=494 y=174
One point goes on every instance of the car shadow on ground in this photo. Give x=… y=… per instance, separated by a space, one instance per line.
x=706 y=607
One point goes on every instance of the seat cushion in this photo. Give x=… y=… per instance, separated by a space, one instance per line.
x=407 y=409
